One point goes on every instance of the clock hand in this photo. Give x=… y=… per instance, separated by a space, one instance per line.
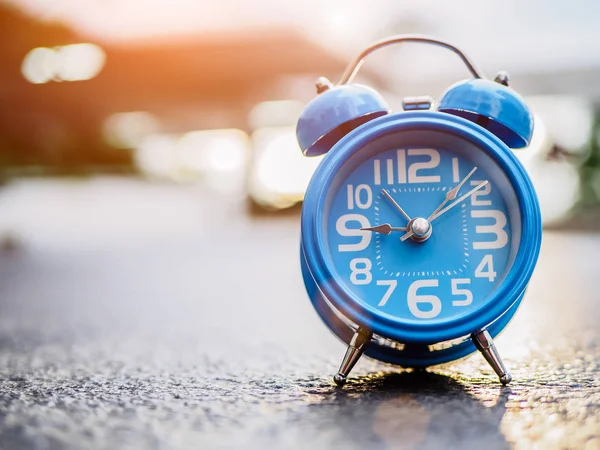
x=398 y=207
x=384 y=228
x=459 y=200
x=450 y=206
x=450 y=195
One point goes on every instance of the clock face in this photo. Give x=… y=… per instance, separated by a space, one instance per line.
x=454 y=259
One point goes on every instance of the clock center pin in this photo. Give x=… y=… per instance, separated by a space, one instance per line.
x=421 y=229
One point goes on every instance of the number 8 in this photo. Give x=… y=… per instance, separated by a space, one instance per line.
x=356 y=271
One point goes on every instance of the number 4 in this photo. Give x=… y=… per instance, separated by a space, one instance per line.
x=481 y=271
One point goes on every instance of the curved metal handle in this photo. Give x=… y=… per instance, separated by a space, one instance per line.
x=354 y=66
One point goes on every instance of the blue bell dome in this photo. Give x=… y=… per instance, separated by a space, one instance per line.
x=493 y=106
x=334 y=113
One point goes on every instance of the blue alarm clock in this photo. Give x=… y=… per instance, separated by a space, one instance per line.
x=420 y=229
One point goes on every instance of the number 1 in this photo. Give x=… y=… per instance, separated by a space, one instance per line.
x=377 y=172
x=455 y=174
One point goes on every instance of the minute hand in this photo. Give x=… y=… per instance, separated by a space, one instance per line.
x=458 y=200
x=452 y=193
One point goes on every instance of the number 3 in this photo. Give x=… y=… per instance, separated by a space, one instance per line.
x=497 y=228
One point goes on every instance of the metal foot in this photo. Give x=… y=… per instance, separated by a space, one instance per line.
x=355 y=350
x=485 y=344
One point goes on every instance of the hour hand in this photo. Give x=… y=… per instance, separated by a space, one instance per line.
x=395 y=203
x=384 y=228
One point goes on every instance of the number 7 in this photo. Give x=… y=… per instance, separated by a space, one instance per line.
x=392 y=285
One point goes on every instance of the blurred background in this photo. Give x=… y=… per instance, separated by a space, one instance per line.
x=205 y=93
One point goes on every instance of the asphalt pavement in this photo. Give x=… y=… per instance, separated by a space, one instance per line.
x=164 y=316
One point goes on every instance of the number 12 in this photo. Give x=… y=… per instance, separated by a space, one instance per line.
x=408 y=173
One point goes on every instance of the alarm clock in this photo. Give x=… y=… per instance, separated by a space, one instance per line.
x=420 y=229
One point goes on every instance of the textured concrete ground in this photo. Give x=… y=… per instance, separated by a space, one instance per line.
x=157 y=316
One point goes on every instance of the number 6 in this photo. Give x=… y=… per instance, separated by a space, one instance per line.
x=414 y=299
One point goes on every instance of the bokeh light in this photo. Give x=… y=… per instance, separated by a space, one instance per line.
x=568 y=119
x=79 y=62
x=275 y=113
x=76 y=62
x=39 y=65
x=217 y=157
x=558 y=187
x=156 y=158
x=279 y=173
x=128 y=129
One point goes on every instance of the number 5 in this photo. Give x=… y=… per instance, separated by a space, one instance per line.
x=458 y=291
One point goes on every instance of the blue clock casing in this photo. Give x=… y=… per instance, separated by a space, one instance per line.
x=420 y=229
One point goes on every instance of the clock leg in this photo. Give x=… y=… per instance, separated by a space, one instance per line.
x=355 y=350
x=485 y=344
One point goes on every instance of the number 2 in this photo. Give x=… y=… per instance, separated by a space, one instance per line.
x=434 y=161
x=486 y=190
